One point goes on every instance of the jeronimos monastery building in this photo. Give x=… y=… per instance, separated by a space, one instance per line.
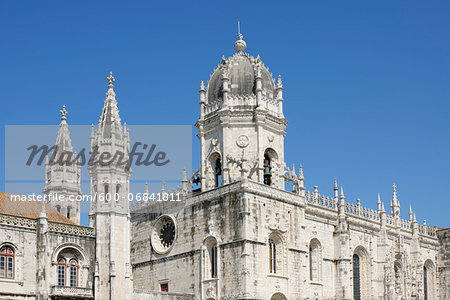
x=237 y=233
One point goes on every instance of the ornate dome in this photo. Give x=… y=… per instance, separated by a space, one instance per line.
x=242 y=70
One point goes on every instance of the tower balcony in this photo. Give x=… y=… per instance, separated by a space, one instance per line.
x=69 y=292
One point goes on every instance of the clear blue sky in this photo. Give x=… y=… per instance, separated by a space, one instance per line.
x=367 y=92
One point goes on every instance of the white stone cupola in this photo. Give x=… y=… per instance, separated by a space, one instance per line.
x=241 y=125
x=63 y=174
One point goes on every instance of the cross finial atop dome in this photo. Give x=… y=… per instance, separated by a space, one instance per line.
x=240 y=45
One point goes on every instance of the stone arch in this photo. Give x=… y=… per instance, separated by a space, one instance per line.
x=12 y=245
x=361 y=273
x=210 y=255
x=277 y=259
x=71 y=252
x=83 y=256
x=270 y=160
x=398 y=275
x=278 y=296
x=315 y=260
x=214 y=169
x=429 y=280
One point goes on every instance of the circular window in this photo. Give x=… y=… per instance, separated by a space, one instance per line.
x=163 y=234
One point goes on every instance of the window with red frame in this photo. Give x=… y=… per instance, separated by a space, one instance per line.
x=61 y=271
x=7 y=262
x=73 y=267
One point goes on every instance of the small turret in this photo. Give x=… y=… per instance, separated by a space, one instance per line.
x=301 y=179
x=378 y=202
x=342 y=203
x=202 y=102
x=279 y=96
x=336 y=191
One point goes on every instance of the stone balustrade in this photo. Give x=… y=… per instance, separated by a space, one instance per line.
x=72 y=292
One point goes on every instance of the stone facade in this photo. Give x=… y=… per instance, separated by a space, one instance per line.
x=241 y=235
x=237 y=233
x=444 y=263
x=37 y=245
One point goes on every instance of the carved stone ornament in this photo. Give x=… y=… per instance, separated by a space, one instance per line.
x=242 y=141
x=163 y=234
x=210 y=291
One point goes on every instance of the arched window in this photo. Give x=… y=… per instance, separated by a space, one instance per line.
x=7 y=262
x=267 y=169
x=73 y=271
x=68 y=267
x=356 y=278
x=276 y=254
x=218 y=172
x=211 y=262
x=361 y=273
x=270 y=160
x=58 y=208
x=106 y=189
x=425 y=283
x=61 y=271
x=68 y=212
x=272 y=256
x=214 y=170
x=314 y=260
x=428 y=280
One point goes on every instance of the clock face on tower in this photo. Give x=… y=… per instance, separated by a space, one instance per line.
x=163 y=234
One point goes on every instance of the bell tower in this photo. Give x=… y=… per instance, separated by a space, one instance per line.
x=241 y=126
x=109 y=213
x=63 y=174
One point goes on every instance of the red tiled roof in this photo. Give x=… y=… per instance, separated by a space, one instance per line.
x=29 y=209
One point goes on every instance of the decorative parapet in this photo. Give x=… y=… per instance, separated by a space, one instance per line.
x=321 y=200
x=73 y=292
x=30 y=223
x=362 y=212
x=17 y=221
x=71 y=229
x=427 y=230
x=147 y=295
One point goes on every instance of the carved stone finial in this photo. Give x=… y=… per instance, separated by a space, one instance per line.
x=279 y=83
x=240 y=45
x=63 y=113
x=394 y=194
x=110 y=79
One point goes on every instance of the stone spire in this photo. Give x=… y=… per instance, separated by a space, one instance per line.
x=394 y=194
x=336 y=191
x=146 y=188
x=63 y=141
x=111 y=219
x=63 y=173
x=342 y=202
x=301 y=181
x=110 y=120
x=379 y=202
x=43 y=212
x=395 y=206
x=202 y=92
x=410 y=212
